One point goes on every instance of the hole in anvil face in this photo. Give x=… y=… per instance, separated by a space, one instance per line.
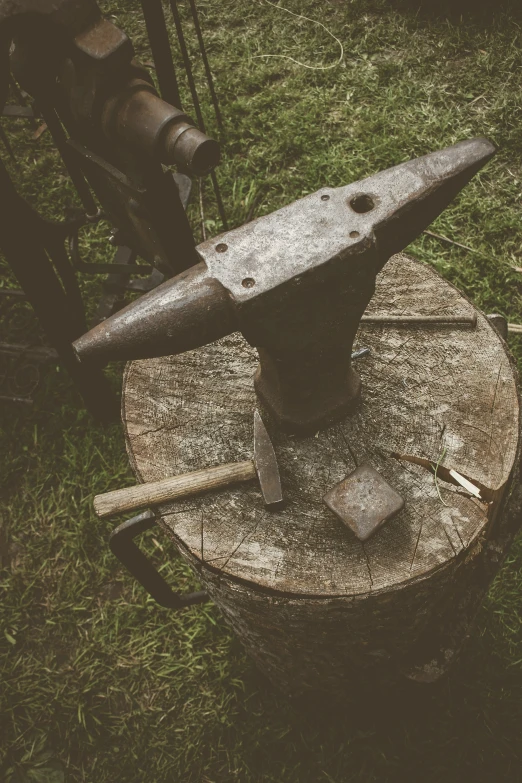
x=362 y=203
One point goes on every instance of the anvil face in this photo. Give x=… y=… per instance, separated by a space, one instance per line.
x=296 y=241
x=336 y=227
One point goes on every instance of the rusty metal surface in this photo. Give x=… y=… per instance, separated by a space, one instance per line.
x=80 y=68
x=296 y=284
x=364 y=501
x=265 y=463
x=114 y=133
x=137 y=116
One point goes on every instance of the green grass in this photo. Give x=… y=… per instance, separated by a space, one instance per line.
x=97 y=682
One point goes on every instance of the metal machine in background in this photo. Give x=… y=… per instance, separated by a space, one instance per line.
x=117 y=137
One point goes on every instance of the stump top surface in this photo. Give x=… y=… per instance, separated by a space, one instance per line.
x=426 y=391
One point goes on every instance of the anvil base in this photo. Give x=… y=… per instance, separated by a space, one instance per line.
x=301 y=417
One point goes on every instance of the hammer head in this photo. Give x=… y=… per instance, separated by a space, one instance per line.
x=296 y=284
x=265 y=463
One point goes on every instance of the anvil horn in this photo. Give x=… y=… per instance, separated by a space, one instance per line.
x=183 y=313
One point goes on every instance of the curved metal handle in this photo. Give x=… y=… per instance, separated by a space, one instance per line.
x=123 y=547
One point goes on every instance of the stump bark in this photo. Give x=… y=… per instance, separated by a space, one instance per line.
x=315 y=607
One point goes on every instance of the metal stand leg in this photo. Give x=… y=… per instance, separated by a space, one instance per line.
x=122 y=545
x=61 y=315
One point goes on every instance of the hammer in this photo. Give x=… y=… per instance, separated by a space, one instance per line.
x=263 y=465
x=296 y=284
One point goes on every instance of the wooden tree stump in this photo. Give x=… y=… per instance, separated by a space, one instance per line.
x=313 y=605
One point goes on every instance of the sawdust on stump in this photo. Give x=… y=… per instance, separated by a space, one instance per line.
x=310 y=602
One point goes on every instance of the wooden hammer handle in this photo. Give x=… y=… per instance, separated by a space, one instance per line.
x=132 y=498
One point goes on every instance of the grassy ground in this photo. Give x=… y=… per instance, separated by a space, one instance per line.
x=98 y=683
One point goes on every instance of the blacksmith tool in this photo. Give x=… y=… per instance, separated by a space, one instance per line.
x=263 y=465
x=296 y=284
x=364 y=501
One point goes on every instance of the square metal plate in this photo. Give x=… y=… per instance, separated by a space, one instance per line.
x=364 y=501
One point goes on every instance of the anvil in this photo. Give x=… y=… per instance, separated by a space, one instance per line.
x=295 y=283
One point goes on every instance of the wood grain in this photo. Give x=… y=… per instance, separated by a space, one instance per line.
x=157 y=492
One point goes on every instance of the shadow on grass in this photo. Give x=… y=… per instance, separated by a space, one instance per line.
x=466 y=725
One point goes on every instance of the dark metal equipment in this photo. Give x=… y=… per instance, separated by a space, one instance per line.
x=296 y=284
x=123 y=547
x=115 y=135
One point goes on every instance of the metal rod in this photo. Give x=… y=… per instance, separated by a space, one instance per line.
x=442 y=238
x=58 y=255
x=195 y=100
x=187 y=64
x=161 y=52
x=220 y=205
x=208 y=72
x=420 y=320
x=201 y=210
x=60 y=139
x=123 y=547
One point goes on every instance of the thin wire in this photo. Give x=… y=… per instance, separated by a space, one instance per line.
x=201 y=210
x=195 y=100
x=220 y=205
x=161 y=53
x=52 y=120
x=442 y=238
x=304 y=65
x=187 y=64
x=210 y=80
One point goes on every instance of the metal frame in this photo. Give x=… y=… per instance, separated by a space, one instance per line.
x=122 y=545
x=128 y=180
